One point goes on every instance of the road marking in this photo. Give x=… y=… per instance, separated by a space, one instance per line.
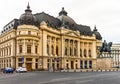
x=60 y=79
x=78 y=82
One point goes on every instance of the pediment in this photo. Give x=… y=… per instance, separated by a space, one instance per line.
x=72 y=33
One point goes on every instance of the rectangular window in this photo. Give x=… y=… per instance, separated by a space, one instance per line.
x=20 y=48
x=19 y=32
x=36 y=60
x=10 y=51
x=36 y=49
x=19 y=59
x=29 y=32
x=28 y=48
x=90 y=64
x=19 y=64
x=28 y=59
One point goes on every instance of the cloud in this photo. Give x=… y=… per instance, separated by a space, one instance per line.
x=103 y=13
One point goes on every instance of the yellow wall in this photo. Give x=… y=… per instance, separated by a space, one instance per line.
x=43 y=36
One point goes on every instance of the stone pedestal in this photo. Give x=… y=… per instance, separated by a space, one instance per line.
x=104 y=63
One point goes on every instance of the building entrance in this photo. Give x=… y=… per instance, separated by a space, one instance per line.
x=72 y=65
x=29 y=66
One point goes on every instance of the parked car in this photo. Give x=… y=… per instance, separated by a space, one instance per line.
x=21 y=69
x=8 y=70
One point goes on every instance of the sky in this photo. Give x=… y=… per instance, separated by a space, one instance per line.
x=105 y=14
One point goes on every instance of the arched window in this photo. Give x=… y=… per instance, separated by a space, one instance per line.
x=80 y=53
x=48 y=49
x=52 y=49
x=56 y=50
x=65 y=51
x=85 y=53
x=20 y=48
x=89 y=53
x=28 y=48
x=10 y=51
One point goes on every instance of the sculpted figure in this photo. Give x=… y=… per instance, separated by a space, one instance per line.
x=106 y=47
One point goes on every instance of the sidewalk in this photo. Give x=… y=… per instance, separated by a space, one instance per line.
x=91 y=70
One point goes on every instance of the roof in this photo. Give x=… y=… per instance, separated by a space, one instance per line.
x=50 y=20
x=55 y=22
x=84 y=30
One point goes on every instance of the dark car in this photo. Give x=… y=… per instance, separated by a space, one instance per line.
x=8 y=70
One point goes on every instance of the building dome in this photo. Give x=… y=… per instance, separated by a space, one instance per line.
x=28 y=18
x=66 y=20
x=97 y=34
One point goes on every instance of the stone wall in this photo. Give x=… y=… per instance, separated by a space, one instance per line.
x=104 y=63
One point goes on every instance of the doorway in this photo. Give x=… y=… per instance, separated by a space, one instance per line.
x=29 y=66
x=72 y=65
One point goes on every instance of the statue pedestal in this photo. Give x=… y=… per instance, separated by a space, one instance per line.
x=104 y=61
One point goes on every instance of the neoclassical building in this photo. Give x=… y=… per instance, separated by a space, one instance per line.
x=41 y=41
x=115 y=53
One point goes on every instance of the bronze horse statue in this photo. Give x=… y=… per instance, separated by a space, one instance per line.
x=105 y=47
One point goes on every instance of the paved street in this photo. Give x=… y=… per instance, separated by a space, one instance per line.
x=61 y=78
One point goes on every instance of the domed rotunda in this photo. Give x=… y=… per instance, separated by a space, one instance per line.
x=28 y=18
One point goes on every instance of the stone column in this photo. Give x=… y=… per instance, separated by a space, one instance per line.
x=50 y=46
x=12 y=62
x=33 y=47
x=24 y=64
x=87 y=50
x=88 y=64
x=17 y=62
x=78 y=48
x=33 y=63
x=68 y=47
x=83 y=64
x=63 y=53
x=94 y=64
x=78 y=63
x=55 y=46
x=44 y=44
x=73 y=48
x=69 y=64
x=94 y=50
x=45 y=64
x=83 y=50
x=8 y=62
x=18 y=49
x=24 y=48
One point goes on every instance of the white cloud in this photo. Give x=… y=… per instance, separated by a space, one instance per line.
x=103 y=13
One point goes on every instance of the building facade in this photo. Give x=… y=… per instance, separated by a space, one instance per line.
x=41 y=41
x=115 y=54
